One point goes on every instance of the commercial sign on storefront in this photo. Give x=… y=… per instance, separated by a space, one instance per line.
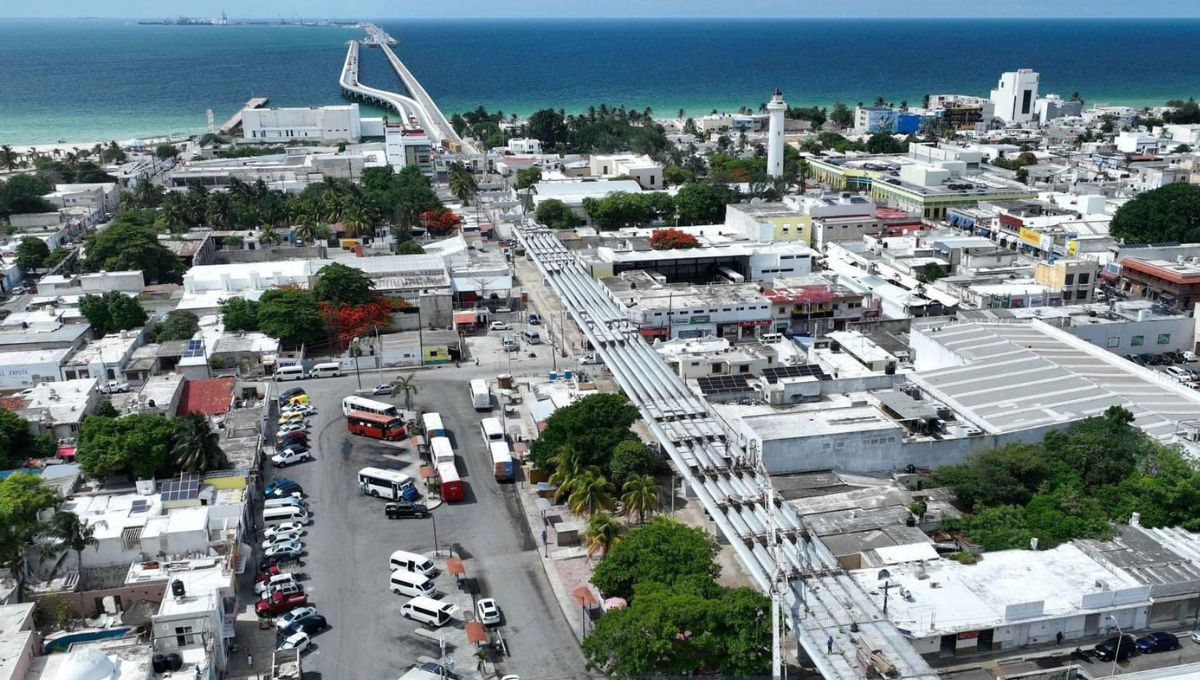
x=698 y=319
x=1031 y=236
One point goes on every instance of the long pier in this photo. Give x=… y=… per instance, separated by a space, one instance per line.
x=236 y=119
x=416 y=105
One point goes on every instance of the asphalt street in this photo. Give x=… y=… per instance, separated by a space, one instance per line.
x=350 y=540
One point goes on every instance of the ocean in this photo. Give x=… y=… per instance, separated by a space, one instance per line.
x=92 y=79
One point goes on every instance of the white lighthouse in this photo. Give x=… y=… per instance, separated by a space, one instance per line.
x=775 y=135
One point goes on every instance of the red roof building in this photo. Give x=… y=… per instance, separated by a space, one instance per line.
x=211 y=397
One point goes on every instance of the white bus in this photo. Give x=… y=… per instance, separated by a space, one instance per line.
x=290 y=372
x=502 y=462
x=353 y=403
x=481 y=396
x=388 y=484
x=433 y=425
x=443 y=452
x=491 y=430
x=332 y=369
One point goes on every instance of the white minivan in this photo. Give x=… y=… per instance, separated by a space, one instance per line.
x=330 y=370
x=1180 y=374
x=289 y=502
x=412 y=584
x=532 y=337
x=402 y=559
x=275 y=516
x=290 y=372
x=428 y=611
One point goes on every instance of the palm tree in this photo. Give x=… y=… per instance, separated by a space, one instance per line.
x=175 y=211
x=567 y=466
x=602 y=533
x=8 y=157
x=304 y=231
x=462 y=182
x=147 y=194
x=356 y=220
x=641 y=495
x=127 y=201
x=74 y=535
x=197 y=448
x=407 y=385
x=219 y=210
x=591 y=492
x=268 y=236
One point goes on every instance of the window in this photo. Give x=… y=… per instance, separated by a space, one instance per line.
x=1083 y=279
x=1066 y=295
x=1164 y=338
x=1137 y=340
x=1113 y=342
x=1069 y=280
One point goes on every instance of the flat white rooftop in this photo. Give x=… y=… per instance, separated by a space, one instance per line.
x=939 y=597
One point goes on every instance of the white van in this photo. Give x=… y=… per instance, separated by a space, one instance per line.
x=412 y=584
x=276 y=516
x=407 y=561
x=330 y=370
x=428 y=611
x=290 y=502
x=771 y=338
x=290 y=372
x=532 y=337
x=1180 y=374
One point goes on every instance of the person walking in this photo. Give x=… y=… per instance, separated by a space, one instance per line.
x=829 y=643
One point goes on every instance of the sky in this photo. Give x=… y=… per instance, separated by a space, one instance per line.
x=442 y=9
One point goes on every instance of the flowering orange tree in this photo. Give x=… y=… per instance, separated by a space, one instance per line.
x=669 y=239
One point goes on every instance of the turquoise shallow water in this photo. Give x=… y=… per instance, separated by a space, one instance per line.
x=83 y=80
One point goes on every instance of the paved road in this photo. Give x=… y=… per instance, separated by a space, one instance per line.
x=350 y=541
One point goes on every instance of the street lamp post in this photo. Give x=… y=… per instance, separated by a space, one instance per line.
x=436 y=551
x=1120 y=639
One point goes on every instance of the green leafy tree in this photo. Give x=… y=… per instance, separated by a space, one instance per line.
x=22 y=497
x=138 y=444
x=23 y=194
x=462 y=182
x=1170 y=213
x=32 y=253
x=557 y=215
x=342 y=285
x=165 y=151
x=179 y=324
x=882 y=142
x=105 y=409
x=674 y=174
x=114 y=311
x=592 y=426
x=1005 y=476
x=196 y=447
x=661 y=550
x=929 y=272
x=239 y=314
x=18 y=444
x=409 y=247
x=602 y=532
x=125 y=245
x=641 y=496
x=549 y=127
x=289 y=314
x=55 y=257
x=704 y=202
x=841 y=115
x=527 y=177
x=630 y=458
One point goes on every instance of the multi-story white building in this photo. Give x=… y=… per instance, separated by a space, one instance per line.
x=408 y=146
x=1016 y=95
x=98 y=283
x=319 y=124
x=100 y=197
x=642 y=169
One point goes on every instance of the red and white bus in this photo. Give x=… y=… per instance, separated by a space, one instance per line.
x=375 y=425
x=451 y=484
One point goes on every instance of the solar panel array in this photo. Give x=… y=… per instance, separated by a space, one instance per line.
x=195 y=348
x=723 y=384
x=805 y=371
x=139 y=506
x=186 y=488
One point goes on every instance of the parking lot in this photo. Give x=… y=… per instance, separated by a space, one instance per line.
x=350 y=540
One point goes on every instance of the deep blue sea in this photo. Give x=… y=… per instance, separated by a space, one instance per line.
x=86 y=80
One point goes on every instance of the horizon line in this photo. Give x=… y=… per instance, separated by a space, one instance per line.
x=714 y=17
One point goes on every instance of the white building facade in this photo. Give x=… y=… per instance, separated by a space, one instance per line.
x=1016 y=96
x=322 y=124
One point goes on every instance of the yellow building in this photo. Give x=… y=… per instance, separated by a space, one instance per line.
x=770 y=222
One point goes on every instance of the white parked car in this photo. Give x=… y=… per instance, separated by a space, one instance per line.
x=294 y=616
x=285 y=528
x=590 y=360
x=291 y=427
x=288 y=457
x=499 y=326
x=281 y=538
x=297 y=641
x=302 y=409
x=488 y=611
x=288 y=548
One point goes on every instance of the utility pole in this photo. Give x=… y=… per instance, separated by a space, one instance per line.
x=379 y=354
x=886 y=585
